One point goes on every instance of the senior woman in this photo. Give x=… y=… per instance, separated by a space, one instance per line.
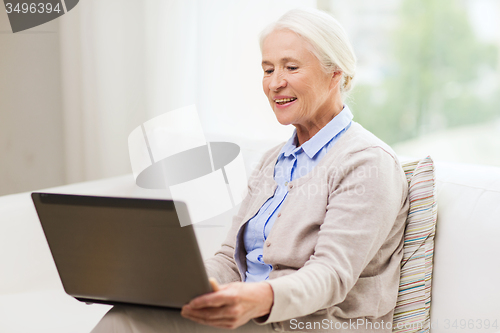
x=317 y=242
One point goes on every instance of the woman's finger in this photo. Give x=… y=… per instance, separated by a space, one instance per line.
x=225 y=312
x=214 y=284
x=223 y=322
x=214 y=299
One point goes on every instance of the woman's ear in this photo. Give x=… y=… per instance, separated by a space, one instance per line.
x=336 y=78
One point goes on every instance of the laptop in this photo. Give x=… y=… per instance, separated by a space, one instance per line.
x=122 y=250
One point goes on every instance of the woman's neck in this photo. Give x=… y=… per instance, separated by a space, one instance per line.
x=309 y=129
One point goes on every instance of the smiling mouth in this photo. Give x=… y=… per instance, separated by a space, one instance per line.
x=284 y=100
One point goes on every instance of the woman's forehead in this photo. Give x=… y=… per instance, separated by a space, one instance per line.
x=285 y=45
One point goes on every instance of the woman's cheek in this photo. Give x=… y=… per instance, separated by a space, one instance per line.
x=265 y=86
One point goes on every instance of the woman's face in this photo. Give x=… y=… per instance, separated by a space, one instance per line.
x=299 y=91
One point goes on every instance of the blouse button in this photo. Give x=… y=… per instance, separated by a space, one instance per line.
x=279 y=214
x=268 y=244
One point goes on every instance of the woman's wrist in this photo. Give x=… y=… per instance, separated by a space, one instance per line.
x=266 y=294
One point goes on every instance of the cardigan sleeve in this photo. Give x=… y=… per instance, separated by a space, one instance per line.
x=222 y=266
x=365 y=197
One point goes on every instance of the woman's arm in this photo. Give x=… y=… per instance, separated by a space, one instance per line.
x=234 y=303
x=231 y=305
x=365 y=210
x=222 y=266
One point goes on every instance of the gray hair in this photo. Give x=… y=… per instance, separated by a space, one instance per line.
x=329 y=40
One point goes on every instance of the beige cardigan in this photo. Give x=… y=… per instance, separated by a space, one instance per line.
x=336 y=246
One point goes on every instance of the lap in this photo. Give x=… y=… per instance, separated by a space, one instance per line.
x=129 y=319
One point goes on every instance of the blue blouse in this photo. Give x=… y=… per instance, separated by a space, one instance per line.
x=293 y=162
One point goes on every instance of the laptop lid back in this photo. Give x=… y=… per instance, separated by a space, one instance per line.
x=122 y=250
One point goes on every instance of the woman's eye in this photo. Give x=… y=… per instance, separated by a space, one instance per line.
x=268 y=71
x=292 y=68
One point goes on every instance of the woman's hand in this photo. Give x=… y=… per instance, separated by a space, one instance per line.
x=231 y=305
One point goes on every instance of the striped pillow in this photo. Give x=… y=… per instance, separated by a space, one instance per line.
x=412 y=313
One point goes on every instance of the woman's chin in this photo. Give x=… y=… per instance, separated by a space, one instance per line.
x=283 y=117
x=283 y=120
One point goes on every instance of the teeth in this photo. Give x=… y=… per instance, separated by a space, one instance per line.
x=285 y=100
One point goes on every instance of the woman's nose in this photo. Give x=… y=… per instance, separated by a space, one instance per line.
x=277 y=82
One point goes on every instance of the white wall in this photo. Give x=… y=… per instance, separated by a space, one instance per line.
x=31 y=131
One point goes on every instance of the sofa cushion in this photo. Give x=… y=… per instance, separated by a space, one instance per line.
x=412 y=313
x=465 y=289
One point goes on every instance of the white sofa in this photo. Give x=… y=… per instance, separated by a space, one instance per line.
x=465 y=288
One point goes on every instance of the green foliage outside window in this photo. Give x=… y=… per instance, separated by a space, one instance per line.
x=438 y=77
